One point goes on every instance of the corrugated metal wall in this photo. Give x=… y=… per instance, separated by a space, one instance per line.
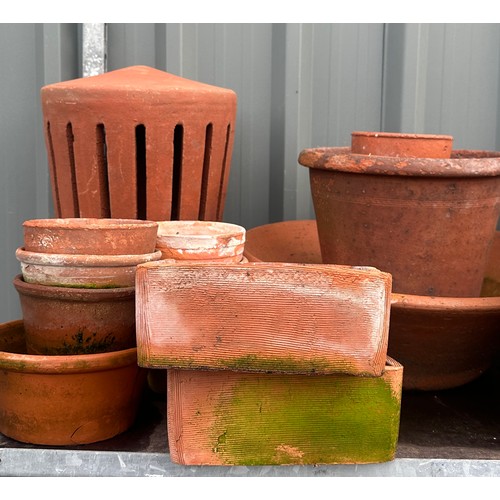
x=298 y=86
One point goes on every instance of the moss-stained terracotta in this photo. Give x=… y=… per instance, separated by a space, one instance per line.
x=271 y=419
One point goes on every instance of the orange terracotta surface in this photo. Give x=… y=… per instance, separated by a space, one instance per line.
x=60 y=320
x=91 y=271
x=90 y=236
x=397 y=144
x=406 y=215
x=65 y=400
x=201 y=240
x=290 y=318
x=139 y=143
x=288 y=241
x=232 y=418
x=442 y=342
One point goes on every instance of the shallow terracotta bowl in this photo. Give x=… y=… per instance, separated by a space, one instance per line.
x=65 y=400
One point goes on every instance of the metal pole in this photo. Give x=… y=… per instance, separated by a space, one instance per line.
x=94 y=45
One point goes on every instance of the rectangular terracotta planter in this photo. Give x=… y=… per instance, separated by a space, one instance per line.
x=288 y=318
x=231 y=418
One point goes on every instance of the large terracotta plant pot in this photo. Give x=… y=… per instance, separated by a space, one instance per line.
x=430 y=222
x=81 y=271
x=442 y=342
x=232 y=418
x=65 y=400
x=61 y=320
x=139 y=143
x=201 y=241
x=90 y=236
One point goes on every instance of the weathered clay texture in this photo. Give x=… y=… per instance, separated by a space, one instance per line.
x=282 y=317
x=396 y=144
x=60 y=320
x=428 y=222
x=90 y=236
x=231 y=418
x=442 y=342
x=66 y=400
x=81 y=271
x=201 y=241
x=139 y=143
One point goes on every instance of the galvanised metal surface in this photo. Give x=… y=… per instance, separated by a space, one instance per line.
x=62 y=463
x=298 y=86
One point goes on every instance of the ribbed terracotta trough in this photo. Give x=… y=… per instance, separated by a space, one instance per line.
x=259 y=317
x=234 y=418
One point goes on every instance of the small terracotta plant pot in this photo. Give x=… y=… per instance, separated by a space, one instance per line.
x=81 y=271
x=442 y=342
x=406 y=145
x=61 y=320
x=260 y=316
x=65 y=400
x=232 y=418
x=90 y=236
x=201 y=241
x=430 y=222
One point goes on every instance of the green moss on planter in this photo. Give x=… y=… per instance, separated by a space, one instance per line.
x=491 y=288
x=85 y=343
x=290 y=419
x=251 y=363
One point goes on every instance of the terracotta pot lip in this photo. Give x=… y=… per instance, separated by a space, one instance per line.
x=70 y=293
x=194 y=234
x=72 y=363
x=401 y=135
x=84 y=260
x=88 y=223
x=444 y=304
x=463 y=163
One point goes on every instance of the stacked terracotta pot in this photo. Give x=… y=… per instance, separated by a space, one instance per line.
x=409 y=205
x=77 y=294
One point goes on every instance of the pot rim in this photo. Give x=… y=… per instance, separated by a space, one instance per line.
x=401 y=135
x=84 y=260
x=463 y=163
x=70 y=293
x=446 y=304
x=65 y=364
x=88 y=223
x=183 y=234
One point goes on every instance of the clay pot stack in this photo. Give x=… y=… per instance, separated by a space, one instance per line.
x=74 y=353
x=411 y=206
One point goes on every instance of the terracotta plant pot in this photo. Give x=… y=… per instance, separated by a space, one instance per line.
x=61 y=320
x=139 y=143
x=258 y=317
x=231 y=418
x=201 y=241
x=428 y=222
x=90 y=236
x=442 y=342
x=406 y=145
x=65 y=400
x=81 y=271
